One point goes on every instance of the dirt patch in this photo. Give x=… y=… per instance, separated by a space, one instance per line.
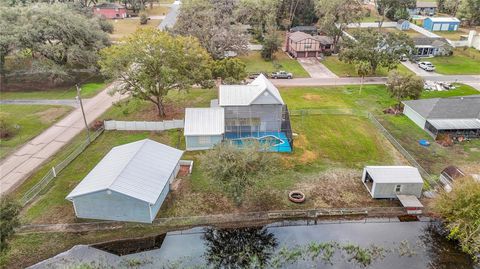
x=338 y=187
x=50 y=115
x=185 y=202
x=57 y=214
x=312 y=97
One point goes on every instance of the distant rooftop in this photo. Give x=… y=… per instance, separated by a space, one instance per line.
x=426 y=4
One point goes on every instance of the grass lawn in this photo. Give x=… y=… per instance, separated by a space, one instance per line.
x=462 y=62
x=31 y=121
x=343 y=69
x=88 y=90
x=456 y=35
x=157 y=10
x=125 y=27
x=255 y=63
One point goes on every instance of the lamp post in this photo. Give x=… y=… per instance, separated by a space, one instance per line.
x=79 y=98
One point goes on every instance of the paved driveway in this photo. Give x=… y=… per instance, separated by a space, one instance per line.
x=418 y=71
x=22 y=163
x=315 y=68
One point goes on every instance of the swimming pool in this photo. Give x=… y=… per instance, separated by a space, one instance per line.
x=273 y=141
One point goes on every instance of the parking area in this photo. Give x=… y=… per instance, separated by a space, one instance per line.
x=315 y=68
x=417 y=70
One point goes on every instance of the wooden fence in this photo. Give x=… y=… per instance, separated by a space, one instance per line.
x=143 y=125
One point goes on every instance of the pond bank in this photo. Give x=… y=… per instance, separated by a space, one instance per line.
x=230 y=220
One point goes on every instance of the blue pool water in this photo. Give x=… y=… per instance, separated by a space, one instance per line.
x=274 y=141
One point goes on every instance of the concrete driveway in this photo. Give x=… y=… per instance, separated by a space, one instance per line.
x=16 y=167
x=315 y=68
x=418 y=71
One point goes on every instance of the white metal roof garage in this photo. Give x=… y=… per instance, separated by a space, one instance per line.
x=128 y=184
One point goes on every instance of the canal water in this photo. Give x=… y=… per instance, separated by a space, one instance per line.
x=392 y=244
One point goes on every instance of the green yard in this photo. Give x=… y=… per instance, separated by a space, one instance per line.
x=343 y=69
x=462 y=62
x=28 y=121
x=124 y=27
x=255 y=64
x=88 y=90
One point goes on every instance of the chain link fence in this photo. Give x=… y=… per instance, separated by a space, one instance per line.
x=56 y=169
x=429 y=178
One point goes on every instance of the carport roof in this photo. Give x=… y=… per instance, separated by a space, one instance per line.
x=394 y=174
x=140 y=170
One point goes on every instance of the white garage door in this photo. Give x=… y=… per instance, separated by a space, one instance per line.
x=436 y=27
x=444 y=26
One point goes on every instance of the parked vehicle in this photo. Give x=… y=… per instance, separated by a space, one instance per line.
x=427 y=66
x=403 y=58
x=282 y=74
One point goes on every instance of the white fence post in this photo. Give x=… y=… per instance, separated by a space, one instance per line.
x=54 y=172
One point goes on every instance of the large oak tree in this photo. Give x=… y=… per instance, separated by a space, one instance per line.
x=150 y=63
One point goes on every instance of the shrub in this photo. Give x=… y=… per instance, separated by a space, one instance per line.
x=7 y=129
x=9 y=210
x=236 y=169
x=460 y=209
x=143 y=18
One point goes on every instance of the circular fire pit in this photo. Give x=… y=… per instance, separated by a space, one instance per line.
x=296 y=196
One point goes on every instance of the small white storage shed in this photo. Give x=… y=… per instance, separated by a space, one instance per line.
x=390 y=181
x=129 y=184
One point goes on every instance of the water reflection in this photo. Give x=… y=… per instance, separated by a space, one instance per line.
x=239 y=248
x=442 y=253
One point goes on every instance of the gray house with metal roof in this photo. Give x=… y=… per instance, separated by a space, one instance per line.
x=129 y=184
x=457 y=116
x=241 y=113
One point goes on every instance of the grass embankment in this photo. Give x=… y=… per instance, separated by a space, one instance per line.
x=254 y=64
x=28 y=121
x=88 y=90
x=464 y=61
x=343 y=69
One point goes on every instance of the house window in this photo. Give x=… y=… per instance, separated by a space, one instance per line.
x=327 y=46
x=308 y=46
x=398 y=188
x=204 y=140
x=116 y=9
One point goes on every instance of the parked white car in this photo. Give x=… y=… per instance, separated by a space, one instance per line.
x=427 y=66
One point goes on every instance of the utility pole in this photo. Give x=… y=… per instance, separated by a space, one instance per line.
x=79 y=98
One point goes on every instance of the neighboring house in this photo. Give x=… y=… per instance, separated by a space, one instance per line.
x=242 y=113
x=456 y=116
x=129 y=184
x=390 y=181
x=441 y=24
x=110 y=10
x=431 y=46
x=424 y=8
x=403 y=25
x=311 y=30
x=300 y=44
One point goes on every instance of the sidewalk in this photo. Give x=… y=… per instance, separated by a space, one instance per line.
x=18 y=166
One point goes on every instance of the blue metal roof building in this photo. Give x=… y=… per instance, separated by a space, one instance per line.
x=441 y=24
